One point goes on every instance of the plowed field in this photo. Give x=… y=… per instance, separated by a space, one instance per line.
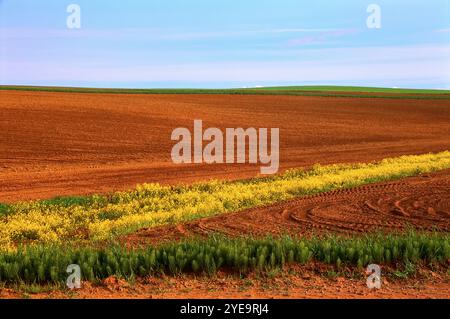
x=55 y=144
x=422 y=203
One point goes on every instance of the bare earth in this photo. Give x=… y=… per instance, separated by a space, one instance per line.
x=75 y=143
x=55 y=144
x=298 y=282
x=421 y=202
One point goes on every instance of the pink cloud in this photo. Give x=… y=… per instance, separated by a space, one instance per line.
x=321 y=38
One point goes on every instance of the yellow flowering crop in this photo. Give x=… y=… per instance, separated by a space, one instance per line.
x=102 y=217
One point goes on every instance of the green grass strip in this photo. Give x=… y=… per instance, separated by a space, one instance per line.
x=48 y=264
x=4 y=209
x=353 y=89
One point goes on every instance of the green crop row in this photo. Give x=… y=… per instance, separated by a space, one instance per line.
x=46 y=264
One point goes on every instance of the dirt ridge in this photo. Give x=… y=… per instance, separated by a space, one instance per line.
x=421 y=203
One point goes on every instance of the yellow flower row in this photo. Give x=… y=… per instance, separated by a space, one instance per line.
x=102 y=217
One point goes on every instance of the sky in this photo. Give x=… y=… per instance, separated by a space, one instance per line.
x=223 y=43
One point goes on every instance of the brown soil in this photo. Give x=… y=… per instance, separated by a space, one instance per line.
x=69 y=143
x=300 y=282
x=421 y=202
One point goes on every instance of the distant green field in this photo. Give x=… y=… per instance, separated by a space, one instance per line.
x=354 y=89
x=326 y=91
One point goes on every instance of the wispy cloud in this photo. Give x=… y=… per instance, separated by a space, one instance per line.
x=149 y=33
x=442 y=30
x=396 y=65
x=244 y=33
x=322 y=37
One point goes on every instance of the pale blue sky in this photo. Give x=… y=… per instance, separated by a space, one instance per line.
x=205 y=43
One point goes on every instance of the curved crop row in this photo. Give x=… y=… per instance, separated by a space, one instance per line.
x=103 y=217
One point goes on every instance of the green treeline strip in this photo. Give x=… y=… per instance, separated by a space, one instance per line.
x=48 y=264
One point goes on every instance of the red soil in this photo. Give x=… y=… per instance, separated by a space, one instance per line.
x=70 y=143
x=421 y=202
x=299 y=282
